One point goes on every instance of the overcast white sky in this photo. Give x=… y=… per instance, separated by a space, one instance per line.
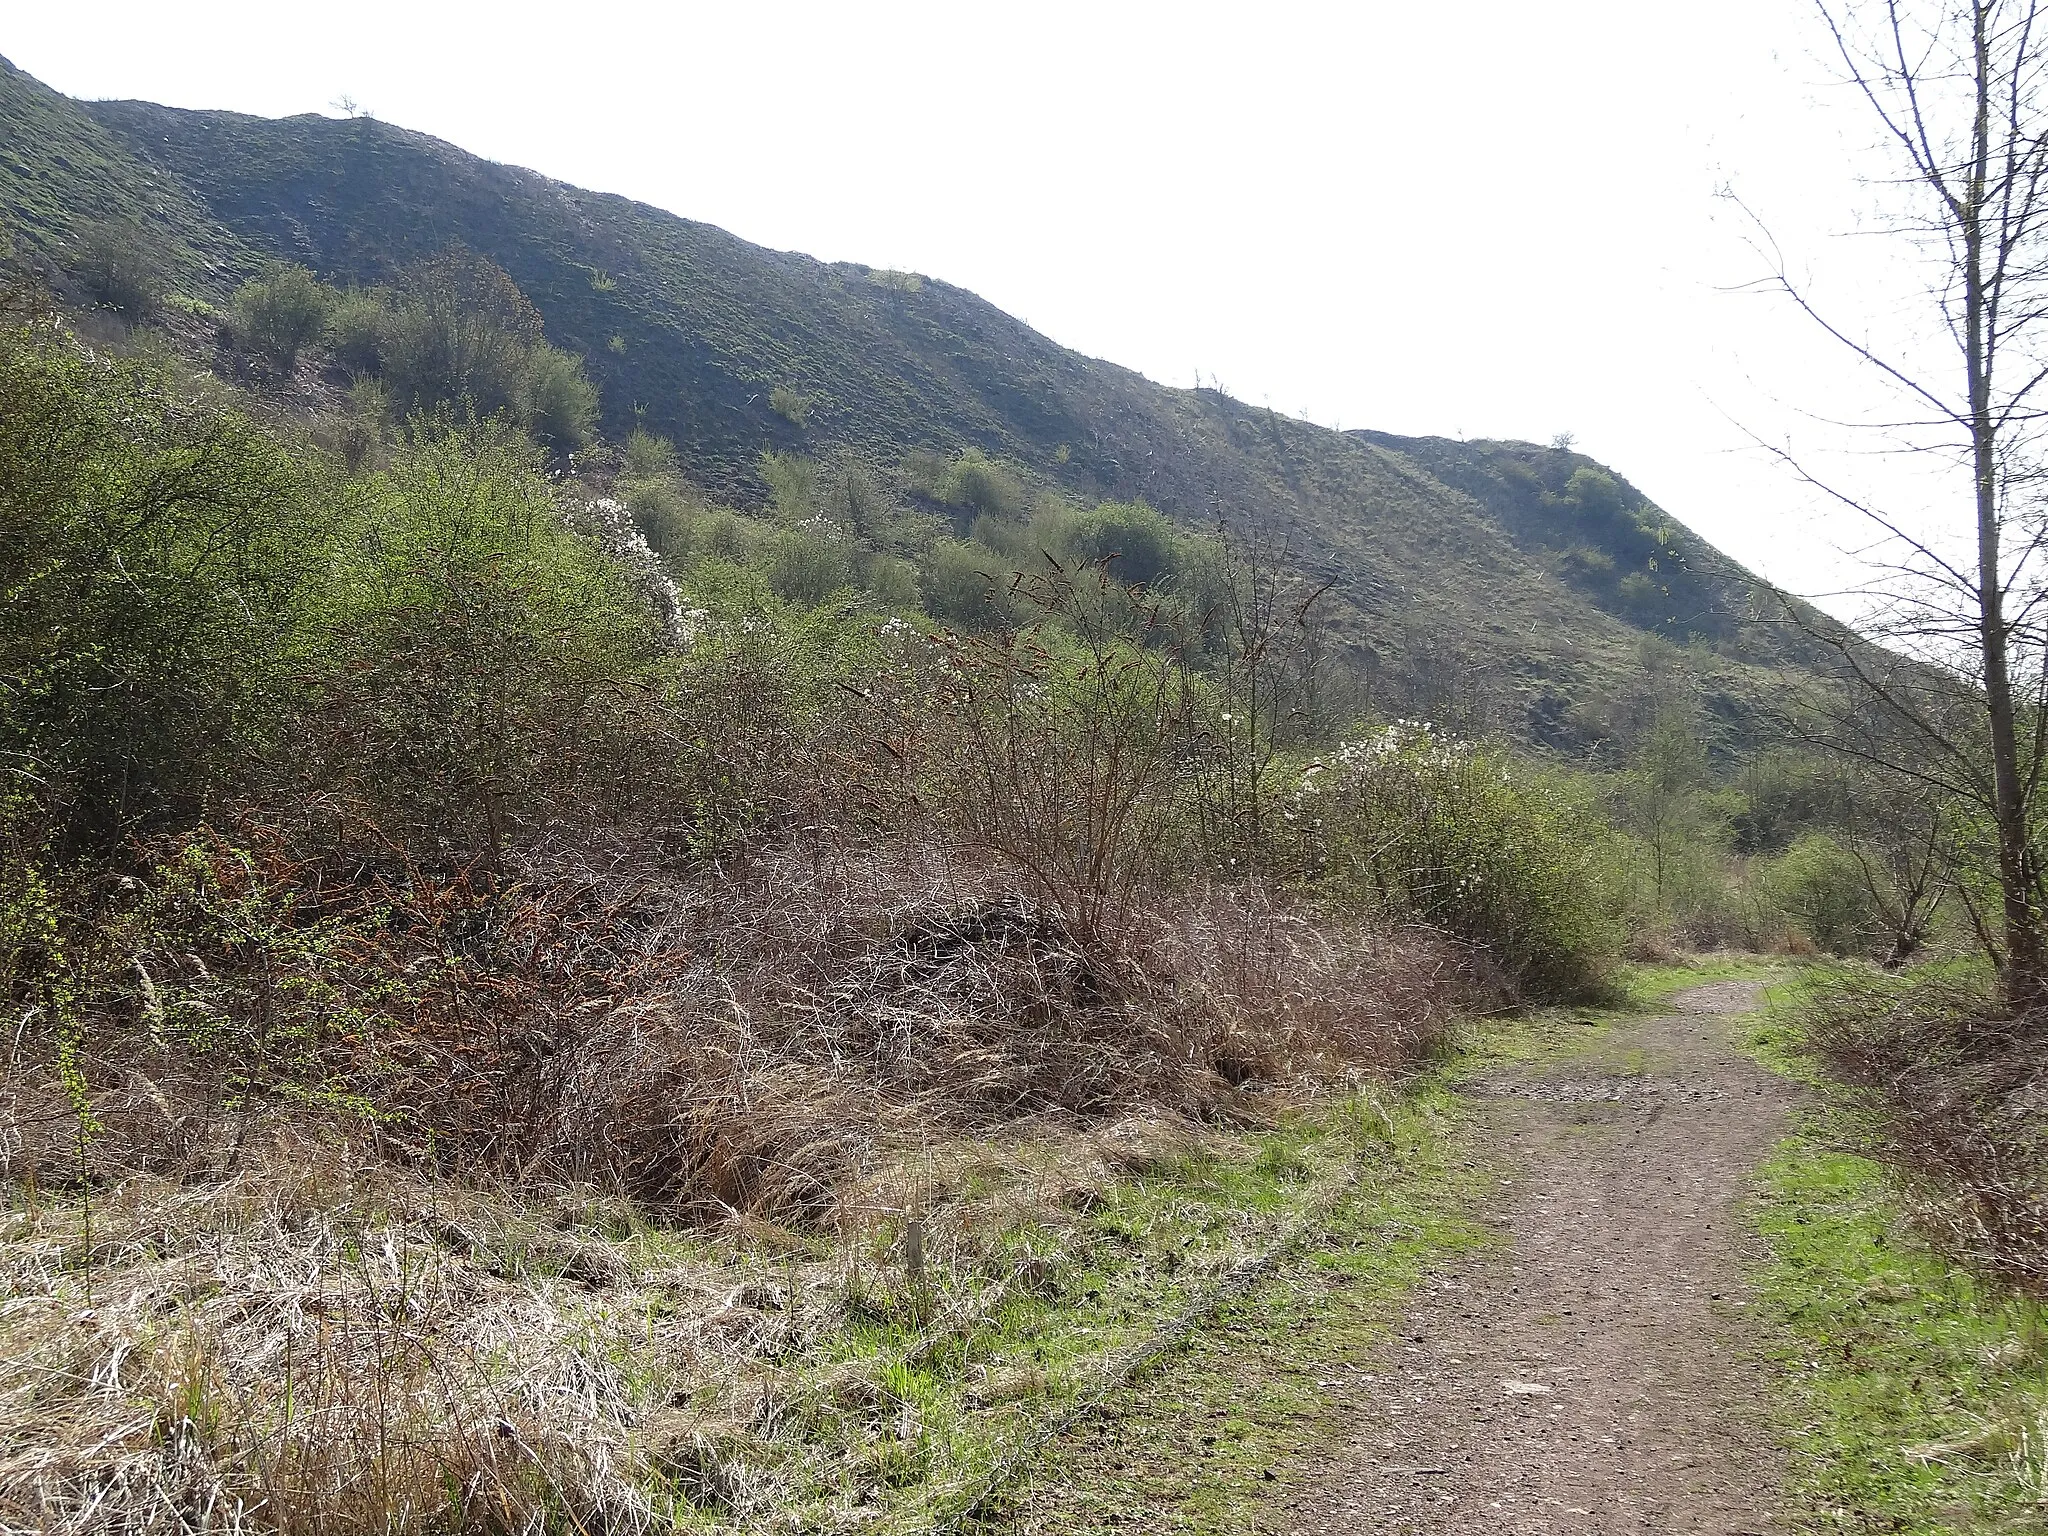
x=1497 y=219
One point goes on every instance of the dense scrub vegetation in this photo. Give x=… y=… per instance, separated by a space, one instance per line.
x=445 y=662
x=413 y=790
x=407 y=794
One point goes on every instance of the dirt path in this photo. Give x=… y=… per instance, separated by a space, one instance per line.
x=1589 y=1375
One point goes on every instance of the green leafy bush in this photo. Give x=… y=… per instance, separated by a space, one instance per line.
x=790 y=404
x=732 y=539
x=964 y=584
x=476 y=666
x=355 y=329
x=664 y=517
x=774 y=709
x=282 y=313
x=892 y=582
x=984 y=486
x=458 y=330
x=556 y=402
x=1818 y=887
x=649 y=457
x=1512 y=859
x=808 y=564
x=1139 y=543
x=457 y=336
x=121 y=265
x=855 y=497
x=795 y=485
x=158 y=548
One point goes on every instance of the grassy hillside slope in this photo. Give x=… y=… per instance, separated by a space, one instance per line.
x=1464 y=583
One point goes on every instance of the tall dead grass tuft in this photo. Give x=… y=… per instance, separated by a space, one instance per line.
x=1283 y=993
x=296 y=1349
x=835 y=1009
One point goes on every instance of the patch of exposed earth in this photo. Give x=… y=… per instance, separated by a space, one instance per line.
x=1593 y=1373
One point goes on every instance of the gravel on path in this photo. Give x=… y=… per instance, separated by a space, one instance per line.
x=1593 y=1372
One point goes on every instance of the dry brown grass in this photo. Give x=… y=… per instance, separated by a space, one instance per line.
x=718 y=1047
x=296 y=1348
x=326 y=1343
x=641 y=1148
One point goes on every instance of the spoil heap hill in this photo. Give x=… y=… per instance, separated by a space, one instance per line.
x=1500 y=586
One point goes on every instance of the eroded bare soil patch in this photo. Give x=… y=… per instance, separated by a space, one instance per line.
x=1593 y=1372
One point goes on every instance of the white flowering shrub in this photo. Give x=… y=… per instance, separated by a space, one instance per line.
x=1514 y=860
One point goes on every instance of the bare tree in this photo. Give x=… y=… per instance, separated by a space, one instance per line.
x=1904 y=852
x=1959 y=91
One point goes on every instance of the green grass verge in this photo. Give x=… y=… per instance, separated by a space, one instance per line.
x=1912 y=1396
x=1646 y=987
x=1249 y=1408
x=896 y=1420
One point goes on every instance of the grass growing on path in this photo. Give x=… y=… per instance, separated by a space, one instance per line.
x=1647 y=988
x=1228 y=1425
x=1913 y=1397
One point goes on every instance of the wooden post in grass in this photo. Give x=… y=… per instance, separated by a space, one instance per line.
x=913 y=1244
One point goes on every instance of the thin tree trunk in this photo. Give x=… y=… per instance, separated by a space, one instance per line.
x=2023 y=979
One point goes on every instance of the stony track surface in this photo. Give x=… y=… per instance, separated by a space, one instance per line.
x=1591 y=1372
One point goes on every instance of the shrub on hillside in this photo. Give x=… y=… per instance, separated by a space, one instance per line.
x=790 y=404
x=854 y=496
x=892 y=582
x=281 y=313
x=650 y=457
x=664 y=517
x=807 y=564
x=965 y=584
x=458 y=337
x=778 y=713
x=1061 y=749
x=121 y=265
x=794 y=484
x=158 y=548
x=978 y=483
x=555 y=401
x=457 y=330
x=355 y=329
x=1139 y=543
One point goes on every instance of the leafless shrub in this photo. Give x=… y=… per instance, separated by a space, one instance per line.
x=1959 y=1084
x=1064 y=758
